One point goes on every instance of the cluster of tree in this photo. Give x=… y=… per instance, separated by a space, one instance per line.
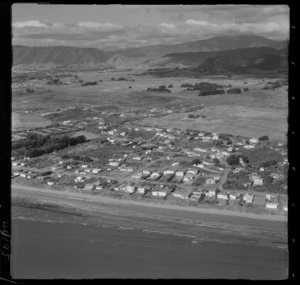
x=246 y=89
x=89 y=83
x=234 y=91
x=212 y=92
x=161 y=88
x=191 y=116
x=121 y=79
x=54 y=81
x=187 y=85
x=263 y=138
x=35 y=144
x=234 y=159
x=29 y=90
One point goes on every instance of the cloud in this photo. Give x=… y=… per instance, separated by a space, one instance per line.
x=96 y=25
x=26 y=24
x=159 y=24
x=199 y=23
x=168 y=25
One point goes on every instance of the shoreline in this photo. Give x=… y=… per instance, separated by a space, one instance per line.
x=109 y=200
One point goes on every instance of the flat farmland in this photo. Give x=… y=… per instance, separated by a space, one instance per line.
x=236 y=120
x=253 y=113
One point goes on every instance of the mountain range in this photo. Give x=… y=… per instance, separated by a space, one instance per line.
x=218 y=52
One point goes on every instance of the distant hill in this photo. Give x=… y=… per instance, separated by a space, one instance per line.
x=60 y=55
x=203 y=52
x=261 y=57
x=248 y=60
x=212 y=44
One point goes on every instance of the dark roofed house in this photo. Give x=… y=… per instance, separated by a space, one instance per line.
x=259 y=200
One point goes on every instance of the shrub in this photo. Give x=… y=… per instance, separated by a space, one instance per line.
x=212 y=92
x=196 y=161
x=268 y=163
x=234 y=91
x=246 y=89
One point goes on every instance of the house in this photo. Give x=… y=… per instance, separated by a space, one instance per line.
x=89 y=186
x=248 y=146
x=223 y=199
x=222 y=196
x=181 y=194
x=237 y=170
x=196 y=195
x=272 y=205
x=124 y=168
x=248 y=198
x=130 y=189
x=253 y=140
x=213 y=180
x=188 y=177
x=137 y=158
x=275 y=176
x=50 y=183
x=141 y=190
x=259 y=200
x=257 y=181
x=99 y=187
x=114 y=163
x=285 y=208
x=137 y=175
x=96 y=170
x=215 y=137
x=168 y=172
x=159 y=192
x=192 y=171
x=261 y=169
x=232 y=196
x=200 y=149
x=180 y=173
x=211 y=194
x=154 y=176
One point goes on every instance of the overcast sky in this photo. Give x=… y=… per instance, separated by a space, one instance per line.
x=120 y=26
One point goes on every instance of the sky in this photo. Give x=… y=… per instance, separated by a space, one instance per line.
x=111 y=27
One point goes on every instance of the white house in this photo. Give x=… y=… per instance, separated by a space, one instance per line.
x=182 y=194
x=271 y=205
x=248 y=198
x=159 y=193
x=257 y=181
x=222 y=196
x=211 y=193
x=141 y=190
x=200 y=149
x=253 y=140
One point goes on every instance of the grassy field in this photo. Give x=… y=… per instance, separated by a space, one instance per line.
x=254 y=113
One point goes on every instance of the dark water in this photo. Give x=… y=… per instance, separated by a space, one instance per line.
x=47 y=244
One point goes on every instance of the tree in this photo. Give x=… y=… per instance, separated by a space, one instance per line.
x=196 y=161
x=233 y=159
x=216 y=161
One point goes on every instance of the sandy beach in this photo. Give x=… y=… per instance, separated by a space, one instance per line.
x=114 y=201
